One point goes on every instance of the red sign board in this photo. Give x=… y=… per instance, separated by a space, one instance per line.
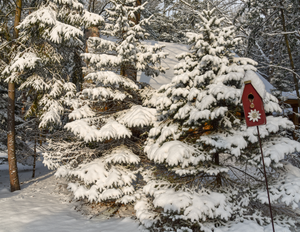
x=253 y=106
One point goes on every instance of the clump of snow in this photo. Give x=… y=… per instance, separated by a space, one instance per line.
x=138 y=116
x=122 y=155
x=83 y=112
x=174 y=153
x=111 y=130
x=91 y=19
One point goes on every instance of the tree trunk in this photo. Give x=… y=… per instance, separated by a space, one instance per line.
x=23 y=110
x=34 y=154
x=218 y=177
x=129 y=71
x=11 y=143
x=290 y=54
x=90 y=32
x=138 y=14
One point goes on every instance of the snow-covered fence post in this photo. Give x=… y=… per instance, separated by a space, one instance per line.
x=255 y=116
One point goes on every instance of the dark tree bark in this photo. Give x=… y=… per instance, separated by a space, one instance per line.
x=289 y=51
x=34 y=157
x=11 y=143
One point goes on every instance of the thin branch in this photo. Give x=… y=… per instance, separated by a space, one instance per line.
x=282 y=33
x=288 y=69
x=244 y=173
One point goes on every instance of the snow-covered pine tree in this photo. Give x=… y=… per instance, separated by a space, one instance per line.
x=208 y=168
x=109 y=119
x=44 y=66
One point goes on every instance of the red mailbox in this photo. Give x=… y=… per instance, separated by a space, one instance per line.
x=253 y=106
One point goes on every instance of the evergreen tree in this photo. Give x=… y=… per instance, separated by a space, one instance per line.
x=207 y=162
x=50 y=35
x=43 y=67
x=108 y=119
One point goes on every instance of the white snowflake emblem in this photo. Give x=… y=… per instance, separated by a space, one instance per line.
x=254 y=115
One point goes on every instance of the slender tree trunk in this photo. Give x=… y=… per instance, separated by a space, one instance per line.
x=23 y=110
x=34 y=154
x=290 y=54
x=11 y=143
x=138 y=15
x=217 y=162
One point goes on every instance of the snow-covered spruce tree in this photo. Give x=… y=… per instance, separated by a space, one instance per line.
x=109 y=118
x=42 y=68
x=43 y=65
x=208 y=168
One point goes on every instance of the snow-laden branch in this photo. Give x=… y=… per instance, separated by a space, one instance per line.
x=288 y=69
x=282 y=33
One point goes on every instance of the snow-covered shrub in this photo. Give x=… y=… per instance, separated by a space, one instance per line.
x=208 y=164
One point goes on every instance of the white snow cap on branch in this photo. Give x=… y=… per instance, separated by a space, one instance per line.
x=62 y=31
x=111 y=130
x=91 y=19
x=174 y=153
x=111 y=78
x=138 y=116
x=45 y=15
x=83 y=112
x=196 y=206
x=102 y=180
x=122 y=155
x=27 y=60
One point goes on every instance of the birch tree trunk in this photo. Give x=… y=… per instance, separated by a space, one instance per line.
x=11 y=143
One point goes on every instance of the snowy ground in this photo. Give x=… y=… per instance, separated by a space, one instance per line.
x=40 y=207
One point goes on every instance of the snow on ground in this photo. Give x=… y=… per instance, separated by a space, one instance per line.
x=39 y=207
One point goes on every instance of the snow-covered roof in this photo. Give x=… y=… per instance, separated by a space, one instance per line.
x=256 y=82
x=165 y=78
x=289 y=95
